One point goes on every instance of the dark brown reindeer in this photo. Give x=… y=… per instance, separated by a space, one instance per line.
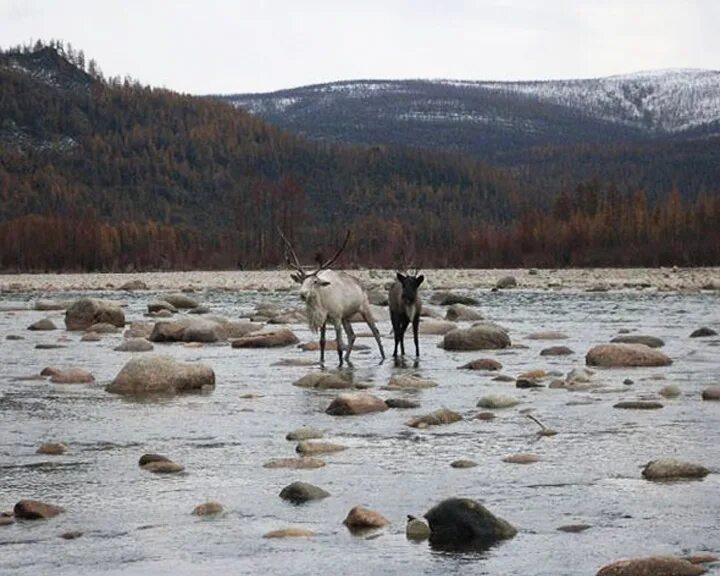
x=332 y=296
x=405 y=308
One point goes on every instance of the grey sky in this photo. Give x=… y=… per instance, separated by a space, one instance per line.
x=224 y=46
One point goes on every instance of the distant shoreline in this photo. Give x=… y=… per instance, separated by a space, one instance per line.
x=574 y=279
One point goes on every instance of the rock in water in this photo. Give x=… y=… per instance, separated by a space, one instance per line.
x=703 y=332
x=485 y=336
x=36 y=510
x=154 y=374
x=462 y=522
x=207 y=509
x=270 y=339
x=300 y=492
x=437 y=418
x=711 y=393
x=416 y=529
x=51 y=449
x=652 y=566
x=44 y=324
x=482 y=364
x=290 y=533
x=651 y=341
x=85 y=312
x=358 y=403
x=669 y=469
x=360 y=518
x=625 y=355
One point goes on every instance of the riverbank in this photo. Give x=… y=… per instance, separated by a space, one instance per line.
x=595 y=279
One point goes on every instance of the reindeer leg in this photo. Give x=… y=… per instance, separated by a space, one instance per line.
x=367 y=316
x=416 y=324
x=396 y=331
x=351 y=337
x=322 y=342
x=338 y=340
x=403 y=328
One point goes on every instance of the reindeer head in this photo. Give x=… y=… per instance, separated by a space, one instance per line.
x=410 y=285
x=309 y=281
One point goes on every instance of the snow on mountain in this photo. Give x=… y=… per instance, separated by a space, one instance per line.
x=661 y=100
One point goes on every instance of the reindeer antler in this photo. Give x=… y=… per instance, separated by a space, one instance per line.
x=328 y=263
x=289 y=251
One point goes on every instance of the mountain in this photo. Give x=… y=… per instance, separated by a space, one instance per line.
x=498 y=120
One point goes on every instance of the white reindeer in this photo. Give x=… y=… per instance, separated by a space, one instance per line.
x=332 y=296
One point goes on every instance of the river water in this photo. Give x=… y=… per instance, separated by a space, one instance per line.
x=134 y=522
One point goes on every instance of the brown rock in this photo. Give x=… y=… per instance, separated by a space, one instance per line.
x=435 y=327
x=669 y=469
x=437 y=418
x=152 y=374
x=409 y=382
x=521 y=458
x=72 y=376
x=36 y=510
x=324 y=381
x=270 y=339
x=85 y=312
x=356 y=403
x=652 y=566
x=51 y=449
x=290 y=533
x=207 y=509
x=42 y=325
x=482 y=364
x=650 y=341
x=304 y=463
x=638 y=405
x=484 y=336
x=556 y=351
x=711 y=393
x=360 y=518
x=625 y=355
x=304 y=447
x=163 y=467
x=547 y=335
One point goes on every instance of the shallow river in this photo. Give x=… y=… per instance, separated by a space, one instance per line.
x=134 y=522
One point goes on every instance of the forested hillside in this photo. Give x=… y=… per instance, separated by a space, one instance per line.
x=106 y=174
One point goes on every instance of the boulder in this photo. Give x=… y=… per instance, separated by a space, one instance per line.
x=131 y=285
x=416 y=529
x=48 y=305
x=147 y=458
x=703 y=332
x=521 y=458
x=711 y=393
x=478 y=337
x=670 y=469
x=355 y=403
x=102 y=328
x=650 y=341
x=638 y=405
x=304 y=463
x=304 y=434
x=153 y=374
x=135 y=345
x=497 y=401
x=51 y=449
x=652 y=566
x=482 y=364
x=159 y=305
x=42 y=325
x=462 y=522
x=556 y=351
x=437 y=418
x=625 y=355
x=91 y=337
x=324 y=381
x=202 y=330
x=207 y=509
x=360 y=518
x=163 y=467
x=506 y=282
x=289 y=317
x=306 y=447
x=301 y=492
x=180 y=301
x=463 y=464
x=85 y=312
x=72 y=376
x=450 y=298
x=462 y=313
x=670 y=391
x=139 y=329
x=435 y=327
x=270 y=339
x=36 y=510
x=409 y=382
x=547 y=335
x=401 y=403
x=292 y=532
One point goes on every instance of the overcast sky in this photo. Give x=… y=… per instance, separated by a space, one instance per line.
x=226 y=46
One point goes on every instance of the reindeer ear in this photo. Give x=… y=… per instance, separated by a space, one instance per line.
x=400 y=278
x=419 y=280
x=297 y=278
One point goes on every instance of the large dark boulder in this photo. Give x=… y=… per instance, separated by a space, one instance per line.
x=465 y=523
